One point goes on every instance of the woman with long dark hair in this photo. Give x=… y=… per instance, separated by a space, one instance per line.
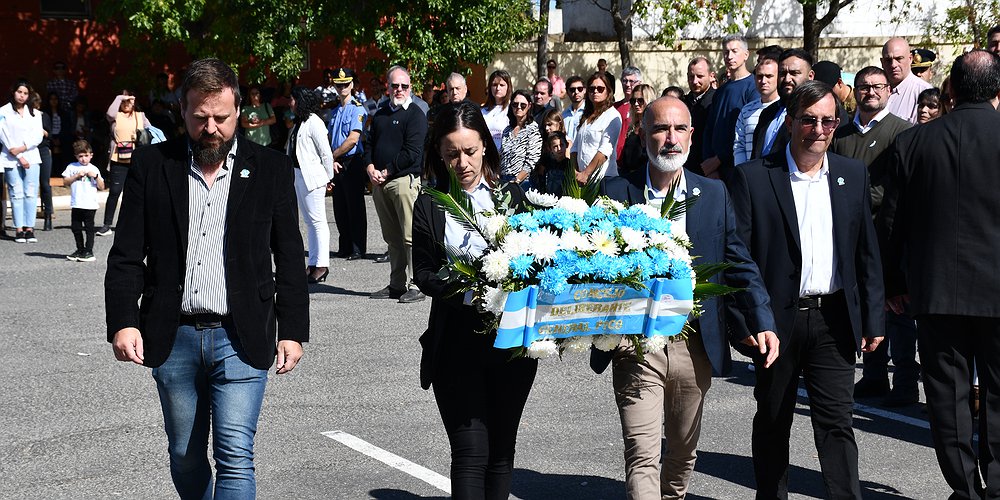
x=593 y=148
x=126 y=124
x=21 y=132
x=309 y=148
x=521 y=144
x=498 y=95
x=480 y=391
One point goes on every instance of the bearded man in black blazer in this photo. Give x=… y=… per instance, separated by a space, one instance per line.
x=940 y=229
x=806 y=216
x=208 y=238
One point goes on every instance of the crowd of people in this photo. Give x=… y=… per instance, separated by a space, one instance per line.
x=856 y=206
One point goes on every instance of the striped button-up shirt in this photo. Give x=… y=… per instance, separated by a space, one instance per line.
x=205 y=275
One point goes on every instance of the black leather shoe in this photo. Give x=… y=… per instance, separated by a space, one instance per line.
x=869 y=388
x=354 y=256
x=381 y=259
x=313 y=279
x=412 y=295
x=387 y=293
x=342 y=255
x=47 y=226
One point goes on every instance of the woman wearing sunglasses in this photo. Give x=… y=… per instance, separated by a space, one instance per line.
x=593 y=150
x=634 y=152
x=521 y=143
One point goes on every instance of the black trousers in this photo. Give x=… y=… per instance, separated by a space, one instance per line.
x=82 y=220
x=481 y=393
x=349 y=206
x=948 y=347
x=45 y=180
x=118 y=173
x=822 y=349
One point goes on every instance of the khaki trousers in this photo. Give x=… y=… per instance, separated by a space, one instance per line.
x=662 y=396
x=394 y=205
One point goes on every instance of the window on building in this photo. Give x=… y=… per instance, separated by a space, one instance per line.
x=63 y=9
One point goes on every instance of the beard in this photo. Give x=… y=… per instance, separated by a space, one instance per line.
x=666 y=162
x=205 y=154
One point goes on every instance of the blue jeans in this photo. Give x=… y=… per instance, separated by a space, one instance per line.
x=22 y=189
x=206 y=380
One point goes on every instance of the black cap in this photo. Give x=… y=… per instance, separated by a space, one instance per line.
x=343 y=75
x=827 y=72
x=922 y=58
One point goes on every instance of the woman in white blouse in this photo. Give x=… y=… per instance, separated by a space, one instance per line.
x=498 y=93
x=20 y=133
x=594 y=147
x=309 y=148
x=521 y=146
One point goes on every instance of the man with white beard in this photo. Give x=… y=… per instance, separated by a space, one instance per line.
x=663 y=394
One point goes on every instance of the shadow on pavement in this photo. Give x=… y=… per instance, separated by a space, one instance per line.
x=531 y=485
x=739 y=470
x=394 y=494
x=336 y=290
x=60 y=256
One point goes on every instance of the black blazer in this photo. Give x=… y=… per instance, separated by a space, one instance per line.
x=765 y=212
x=711 y=225
x=942 y=207
x=781 y=139
x=148 y=258
x=449 y=315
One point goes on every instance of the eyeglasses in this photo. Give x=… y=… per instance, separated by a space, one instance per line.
x=577 y=89
x=597 y=89
x=519 y=105
x=877 y=87
x=812 y=122
x=628 y=81
x=404 y=86
x=637 y=101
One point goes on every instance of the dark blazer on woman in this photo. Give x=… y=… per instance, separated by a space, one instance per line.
x=447 y=309
x=148 y=259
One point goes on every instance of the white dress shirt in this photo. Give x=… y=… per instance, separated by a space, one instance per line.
x=814 y=212
x=864 y=128
x=456 y=236
x=655 y=197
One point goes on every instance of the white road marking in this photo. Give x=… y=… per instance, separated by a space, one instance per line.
x=916 y=422
x=392 y=460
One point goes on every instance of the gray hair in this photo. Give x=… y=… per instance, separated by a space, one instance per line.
x=455 y=77
x=735 y=37
x=631 y=70
x=393 y=69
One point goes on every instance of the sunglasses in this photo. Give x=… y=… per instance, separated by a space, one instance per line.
x=577 y=89
x=637 y=101
x=597 y=89
x=519 y=105
x=404 y=86
x=812 y=122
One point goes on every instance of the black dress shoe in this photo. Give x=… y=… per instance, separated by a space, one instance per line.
x=382 y=258
x=319 y=279
x=412 y=295
x=342 y=255
x=869 y=387
x=354 y=256
x=387 y=293
x=47 y=226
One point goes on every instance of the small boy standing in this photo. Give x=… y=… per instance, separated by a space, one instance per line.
x=84 y=180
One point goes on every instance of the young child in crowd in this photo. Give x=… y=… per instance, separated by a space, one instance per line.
x=553 y=164
x=84 y=180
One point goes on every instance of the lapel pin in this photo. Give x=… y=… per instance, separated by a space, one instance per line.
x=840 y=181
x=696 y=192
x=246 y=174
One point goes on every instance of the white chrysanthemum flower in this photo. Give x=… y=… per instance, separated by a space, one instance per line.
x=611 y=204
x=635 y=240
x=541 y=199
x=653 y=344
x=496 y=266
x=493 y=225
x=572 y=205
x=604 y=243
x=545 y=243
x=650 y=210
x=681 y=235
x=544 y=348
x=572 y=240
x=658 y=239
x=607 y=342
x=577 y=344
x=494 y=299
x=517 y=243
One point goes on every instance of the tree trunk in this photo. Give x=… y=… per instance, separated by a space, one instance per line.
x=543 y=39
x=621 y=32
x=810 y=35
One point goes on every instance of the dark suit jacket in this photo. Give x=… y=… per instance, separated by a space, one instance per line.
x=148 y=259
x=765 y=211
x=712 y=228
x=943 y=210
x=449 y=315
x=781 y=140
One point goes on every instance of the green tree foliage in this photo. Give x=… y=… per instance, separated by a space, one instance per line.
x=964 y=22
x=262 y=37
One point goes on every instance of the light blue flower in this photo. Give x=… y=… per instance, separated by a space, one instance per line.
x=524 y=220
x=521 y=266
x=552 y=280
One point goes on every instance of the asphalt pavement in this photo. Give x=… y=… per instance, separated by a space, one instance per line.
x=351 y=422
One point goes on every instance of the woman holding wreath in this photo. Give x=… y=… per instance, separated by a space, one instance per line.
x=480 y=391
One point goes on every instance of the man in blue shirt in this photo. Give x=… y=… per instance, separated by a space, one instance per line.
x=738 y=90
x=346 y=125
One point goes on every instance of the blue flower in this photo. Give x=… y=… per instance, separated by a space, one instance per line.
x=525 y=220
x=521 y=266
x=552 y=280
x=640 y=262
